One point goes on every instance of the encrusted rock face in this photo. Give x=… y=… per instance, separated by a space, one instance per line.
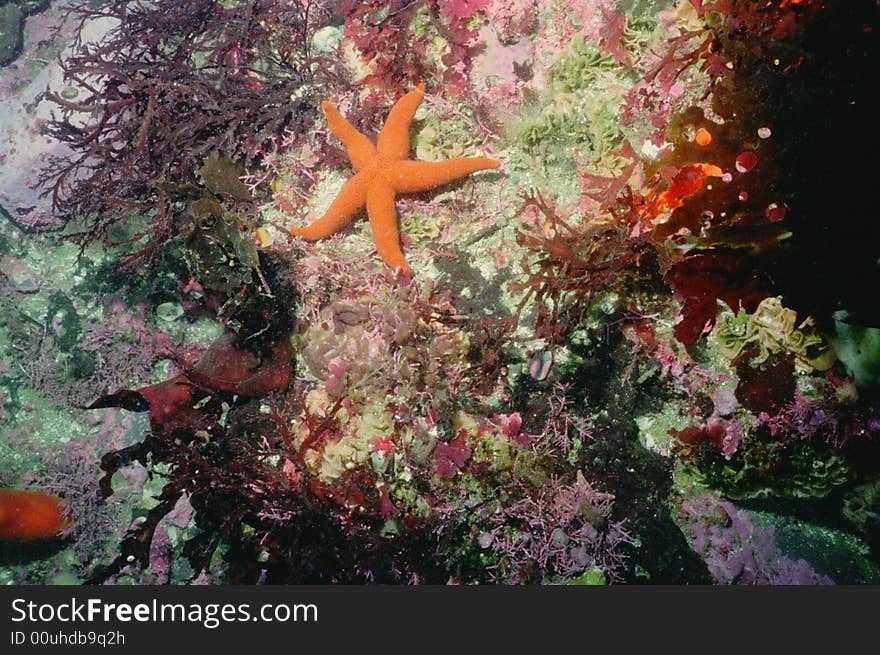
x=633 y=351
x=13 y=14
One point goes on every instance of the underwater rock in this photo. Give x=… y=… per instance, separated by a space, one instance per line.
x=861 y=507
x=641 y=482
x=12 y=18
x=737 y=549
x=858 y=347
x=474 y=422
x=11 y=26
x=19 y=275
x=831 y=551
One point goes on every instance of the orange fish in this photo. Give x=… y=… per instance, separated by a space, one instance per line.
x=31 y=515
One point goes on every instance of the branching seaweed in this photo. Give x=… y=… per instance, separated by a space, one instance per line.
x=170 y=84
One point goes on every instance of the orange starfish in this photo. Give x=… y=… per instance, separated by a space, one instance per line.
x=383 y=171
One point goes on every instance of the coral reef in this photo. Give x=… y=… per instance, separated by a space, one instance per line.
x=636 y=356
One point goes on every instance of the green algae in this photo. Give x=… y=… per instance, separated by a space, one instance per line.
x=592 y=578
x=859 y=348
x=11 y=24
x=763 y=469
x=843 y=557
x=578 y=113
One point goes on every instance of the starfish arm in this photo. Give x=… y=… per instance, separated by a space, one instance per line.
x=413 y=176
x=393 y=141
x=360 y=149
x=351 y=197
x=383 y=220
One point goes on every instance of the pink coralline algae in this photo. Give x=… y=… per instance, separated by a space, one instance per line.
x=118 y=349
x=736 y=550
x=562 y=426
x=559 y=530
x=501 y=413
x=511 y=427
x=512 y=18
x=825 y=420
x=128 y=345
x=68 y=471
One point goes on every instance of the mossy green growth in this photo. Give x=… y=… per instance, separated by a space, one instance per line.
x=8 y=244
x=159 y=474
x=578 y=110
x=642 y=10
x=448 y=138
x=579 y=66
x=843 y=557
x=493 y=449
x=219 y=250
x=765 y=468
x=11 y=19
x=203 y=332
x=423 y=227
x=859 y=349
x=62 y=314
x=592 y=578
x=65 y=578
x=408 y=499
x=45 y=425
x=655 y=427
x=421 y=20
x=861 y=507
x=181 y=570
x=98 y=274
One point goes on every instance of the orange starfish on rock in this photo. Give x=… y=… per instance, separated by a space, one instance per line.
x=382 y=171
